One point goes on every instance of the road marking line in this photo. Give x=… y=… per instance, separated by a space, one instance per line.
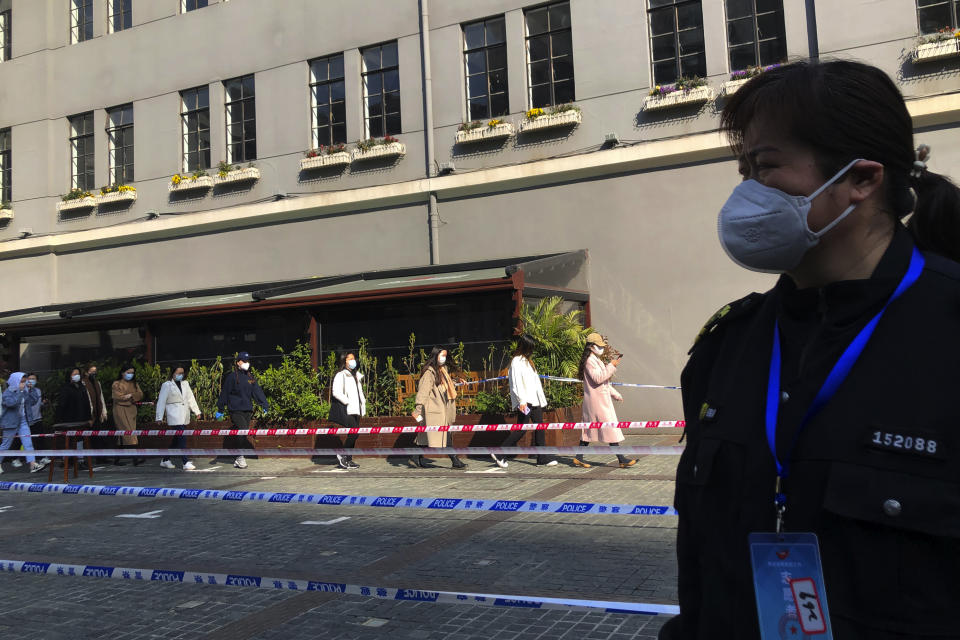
x=330 y=471
x=3 y=509
x=328 y=522
x=494 y=470
x=148 y=514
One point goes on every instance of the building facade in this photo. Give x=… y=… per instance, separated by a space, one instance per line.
x=434 y=230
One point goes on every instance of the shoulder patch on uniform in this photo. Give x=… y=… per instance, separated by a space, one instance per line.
x=725 y=314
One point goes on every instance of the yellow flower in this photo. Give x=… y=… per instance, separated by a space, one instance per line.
x=494 y=123
x=176 y=179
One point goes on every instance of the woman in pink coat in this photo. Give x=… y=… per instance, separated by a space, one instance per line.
x=598 y=397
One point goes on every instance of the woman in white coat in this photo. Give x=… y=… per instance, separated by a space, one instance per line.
x=348 y=404
x=176 y=401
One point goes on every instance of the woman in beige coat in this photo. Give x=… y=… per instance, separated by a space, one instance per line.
x=598 y=397
x=437 y=403
x=126 y=395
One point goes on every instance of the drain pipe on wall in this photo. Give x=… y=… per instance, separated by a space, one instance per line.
x=433 y=217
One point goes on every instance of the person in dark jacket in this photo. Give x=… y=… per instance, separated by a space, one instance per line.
x=827 y=404
x=73 y=403
x=98 y=413
x=237 y=395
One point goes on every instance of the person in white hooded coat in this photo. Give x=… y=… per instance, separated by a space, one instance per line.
x=175 y=403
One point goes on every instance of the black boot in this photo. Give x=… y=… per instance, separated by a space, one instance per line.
x=457 y=462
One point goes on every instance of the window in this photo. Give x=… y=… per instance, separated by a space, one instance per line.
x=6 y=48
x=190 y=5
x=241 y=119
x=934 y=15
x=676 y=40
x=549 y=55
x=81 y=151
x=195 y=125
x=381 y=90
x=81 y=20
x=485 y=57
x=329 y=112
x=755 y=33
x=6 y=169
x=120 y=143
x=121 y=15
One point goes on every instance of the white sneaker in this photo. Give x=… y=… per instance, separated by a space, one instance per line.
x=16 y=463
x=188 y=466
x=552 y=463
x=1 y=468
x=240 y=463
x=500 y=463
x=45 y=460
x=36 y=466
x=166 y=464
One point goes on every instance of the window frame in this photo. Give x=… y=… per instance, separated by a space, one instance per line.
x=485 y=48
x=120 y=157
x=6 y=165
x=755 y=15
x=243 y=101
x=125 y=13
x=675 y=6
x=313 y=84
x=185 y=113
x=954 y=15
x=365 y=73
x=6 y=35
x=87 y=137
x=551 y=58
x=184 y=5
x=78 y=28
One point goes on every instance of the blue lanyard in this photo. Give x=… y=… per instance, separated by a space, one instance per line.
x=836 y=377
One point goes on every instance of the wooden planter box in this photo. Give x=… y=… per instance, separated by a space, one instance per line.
x=937 y=50
x=339 y=159
x=730 y=87
x=6 y=214
x=498 y=132
x=678 y=98
x=77 y=205
x=191 y=184
x=117 y=196
x=247 y=174
x=552 y=121
x=392 y=150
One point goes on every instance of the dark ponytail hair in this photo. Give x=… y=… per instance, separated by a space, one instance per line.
x=845 y=110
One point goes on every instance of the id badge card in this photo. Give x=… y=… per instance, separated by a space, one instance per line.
x=788 y=582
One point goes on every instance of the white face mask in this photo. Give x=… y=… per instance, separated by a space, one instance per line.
x=245 y=366
x=75 y=378
x=598 y=350
x=441 y=360
x=351 y=364
x=764 y=229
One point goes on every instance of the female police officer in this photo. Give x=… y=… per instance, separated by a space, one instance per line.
x=826 y=405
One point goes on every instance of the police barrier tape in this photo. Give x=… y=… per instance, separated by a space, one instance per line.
x=321 y=499
x=286 y=584
x=331 y=431
x=556 y=379
x=308 y=453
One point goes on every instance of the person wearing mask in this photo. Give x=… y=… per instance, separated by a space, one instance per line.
x=126 y=393
x=348 y=404
x=527 y=399
x=239 y=391
x=823 y=412
x=73 y=404
x=98 y=409
x=436 y=403
x=174 y=404
x=598 y=397
x=13 y=422
x=34 y=406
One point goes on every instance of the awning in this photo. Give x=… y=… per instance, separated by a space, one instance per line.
x=562 y=274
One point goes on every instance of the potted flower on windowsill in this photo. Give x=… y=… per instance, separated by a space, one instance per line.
x=684 y=91
x=334 y=155
x=117 y=193
x=945 y=43
x=197 y=180
x=478 y=130
x=231 y=173
x=562 y=115
x=741 y=77
x=386 y=147
x=77 y=199
x=6 y=211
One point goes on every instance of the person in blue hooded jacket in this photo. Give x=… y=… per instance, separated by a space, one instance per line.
x=13 y=422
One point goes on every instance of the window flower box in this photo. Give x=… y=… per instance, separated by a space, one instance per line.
x=568 y=118
x=730 y=87
x=337 y=159
x=189 y=183
x=77 y=204
x=487 y=131
x=388 y=150
x=234 y=176
x=938 y=50
x=6 y=213
x=122 y=194
x=680 y=97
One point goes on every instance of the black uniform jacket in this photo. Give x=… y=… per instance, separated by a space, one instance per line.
x=238 y=392
x=875 y=474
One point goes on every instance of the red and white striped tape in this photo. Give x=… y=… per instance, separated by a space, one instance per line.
x=332 y=431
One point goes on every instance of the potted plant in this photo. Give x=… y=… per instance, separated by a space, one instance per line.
x=684 y=91
x=386 y=147
x=477 y=130
x=197 y=180
x=6 y=210
x=117 y=193
x=945 y=43
x=333 y=155
x=741 y=77
x=231 y=173
x=561 y=115
x=76 y=199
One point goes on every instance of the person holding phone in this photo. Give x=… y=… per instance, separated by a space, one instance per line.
x=598 y=397
x=527 y=399
x=14 y=419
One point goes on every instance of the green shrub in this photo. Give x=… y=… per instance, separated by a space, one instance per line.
x=293 y=388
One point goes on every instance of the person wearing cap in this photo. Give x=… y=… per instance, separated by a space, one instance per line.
x=239 y=391
x=13 y=422
x=598 y=397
